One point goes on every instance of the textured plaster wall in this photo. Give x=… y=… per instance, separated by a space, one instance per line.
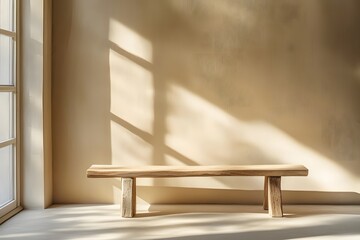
x=206 y=82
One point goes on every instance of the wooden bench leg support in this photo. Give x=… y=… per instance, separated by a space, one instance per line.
x=128 y=198
x=274 y=197
x=265 y=202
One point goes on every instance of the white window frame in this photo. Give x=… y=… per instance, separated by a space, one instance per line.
x=14 y=206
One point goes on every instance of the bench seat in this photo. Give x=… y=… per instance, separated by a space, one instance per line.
x=111 y=171
x=128 y=175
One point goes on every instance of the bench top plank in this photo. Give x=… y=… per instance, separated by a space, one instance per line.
x=156 y=171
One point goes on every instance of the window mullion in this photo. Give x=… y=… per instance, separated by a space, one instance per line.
x=7 y=142
x=8 y=33
x=5 y=88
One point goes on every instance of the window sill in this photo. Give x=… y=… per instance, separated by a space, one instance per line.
x=10 y=214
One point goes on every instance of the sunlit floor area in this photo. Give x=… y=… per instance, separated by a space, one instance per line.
x=193 y=222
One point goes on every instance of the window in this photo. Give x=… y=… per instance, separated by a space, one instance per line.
x=8 y=108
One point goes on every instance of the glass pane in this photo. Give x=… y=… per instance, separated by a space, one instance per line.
x=6 y=14
x=6 y=60
x=6 y=116
x=6 y=175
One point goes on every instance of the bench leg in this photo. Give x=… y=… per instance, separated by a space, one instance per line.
x=265 y=202
x=274 y=197
x=128 y=198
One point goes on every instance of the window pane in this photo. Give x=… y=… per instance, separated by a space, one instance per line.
x=6 y=60
x=6 y=14
x=6 y=175
x=6 y=116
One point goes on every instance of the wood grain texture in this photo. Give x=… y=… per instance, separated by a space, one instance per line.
x=274 y=197
x=111 y=171
x=265 y=202
x=128 y=198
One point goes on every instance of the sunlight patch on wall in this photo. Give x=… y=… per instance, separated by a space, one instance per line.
x=131 y=98
x=130 y=41
x=132 y=92
x=127 y=148
x=209 y=135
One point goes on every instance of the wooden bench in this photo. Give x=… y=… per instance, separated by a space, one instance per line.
x=272 y=184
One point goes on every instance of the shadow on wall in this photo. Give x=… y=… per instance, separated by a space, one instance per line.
x=199 y=83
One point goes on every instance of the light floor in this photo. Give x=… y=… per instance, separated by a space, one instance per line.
x=191 y=222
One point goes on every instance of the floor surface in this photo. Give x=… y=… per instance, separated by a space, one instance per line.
x=191 y=222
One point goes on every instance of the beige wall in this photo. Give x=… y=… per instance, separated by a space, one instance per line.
x=206 y=82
